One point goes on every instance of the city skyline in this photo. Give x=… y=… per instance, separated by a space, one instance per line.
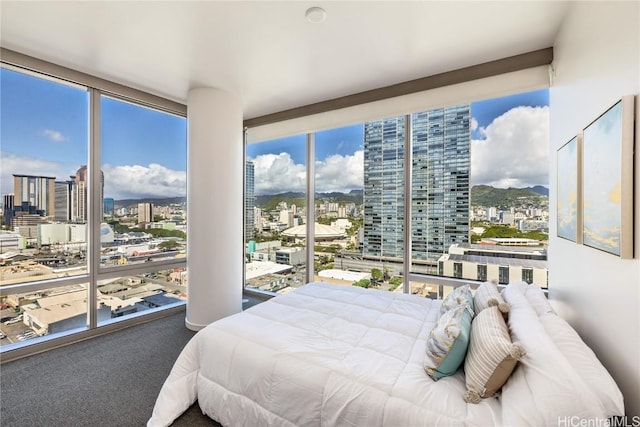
x=45 y=133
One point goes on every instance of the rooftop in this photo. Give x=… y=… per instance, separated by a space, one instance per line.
x=321 y=231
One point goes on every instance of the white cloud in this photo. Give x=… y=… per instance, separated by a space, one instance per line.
x=136 y=181
x=120 y=182
x=277 y=173
x=11 y=164
x=54 y=135
x=515 y=152
x=340 y=173
x=474 y=124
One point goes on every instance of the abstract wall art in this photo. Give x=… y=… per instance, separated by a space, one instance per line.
x=569 y=201
x=608 y=180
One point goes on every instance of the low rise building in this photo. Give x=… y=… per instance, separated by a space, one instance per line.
x=503 y=264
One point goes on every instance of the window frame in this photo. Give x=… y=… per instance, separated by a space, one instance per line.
x=96 y=88
x=415 y=277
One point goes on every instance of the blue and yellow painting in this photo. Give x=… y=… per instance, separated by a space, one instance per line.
x=602 y=181
x=568 y=190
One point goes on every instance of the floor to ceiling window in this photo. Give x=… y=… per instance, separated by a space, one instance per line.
x=93 y=208
x=339 y=183
x=276 y=214
x=477 y=197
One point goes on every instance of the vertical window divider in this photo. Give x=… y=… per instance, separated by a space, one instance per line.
x=311 y=214
x=244 y=207
x=408 y=167
x=93 y=209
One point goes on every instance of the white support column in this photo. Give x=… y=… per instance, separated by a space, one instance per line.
x=215 y=206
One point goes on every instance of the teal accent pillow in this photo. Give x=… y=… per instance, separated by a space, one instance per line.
x=459 y=295
x=448 y=342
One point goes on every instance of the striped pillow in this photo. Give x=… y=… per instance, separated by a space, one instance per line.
x=488 y=295
x=491 y=356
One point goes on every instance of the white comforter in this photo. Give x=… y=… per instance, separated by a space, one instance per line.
x=323 y=355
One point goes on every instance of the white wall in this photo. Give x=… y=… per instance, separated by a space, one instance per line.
x=596 y=60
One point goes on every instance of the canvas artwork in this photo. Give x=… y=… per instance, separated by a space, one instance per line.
x=569 y=190
x=608 y=179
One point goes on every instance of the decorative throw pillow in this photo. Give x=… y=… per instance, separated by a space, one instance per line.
x=460 y=295
x=447 y=343
x=488 y=295
x=492 y=356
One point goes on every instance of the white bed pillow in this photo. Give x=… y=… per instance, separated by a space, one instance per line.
x=544 y=379
x=538 y=300
x=580 y=356
x=586 y=363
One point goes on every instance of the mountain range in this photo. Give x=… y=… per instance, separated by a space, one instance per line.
x=482 y=195
x=503 y=198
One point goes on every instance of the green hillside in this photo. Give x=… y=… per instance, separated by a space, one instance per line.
x=270 y=202
x=503 y=198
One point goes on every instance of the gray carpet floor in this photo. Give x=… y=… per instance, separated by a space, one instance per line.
x=111 y=380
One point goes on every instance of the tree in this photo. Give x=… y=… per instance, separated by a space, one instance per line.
x=364 y=283
x=324 y=220
x=395 y=282
x=376 y=274
x=169 y=245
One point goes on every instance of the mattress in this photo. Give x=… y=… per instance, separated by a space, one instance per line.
x=322 y=355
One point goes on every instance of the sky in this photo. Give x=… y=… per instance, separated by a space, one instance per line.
x=44 y=132
x=509 y=148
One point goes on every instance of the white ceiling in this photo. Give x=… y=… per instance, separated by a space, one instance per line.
x=267 y=52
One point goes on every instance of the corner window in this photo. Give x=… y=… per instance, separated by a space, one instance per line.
x=473 y=205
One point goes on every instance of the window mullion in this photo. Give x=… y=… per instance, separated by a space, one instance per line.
x=311 y=204
x=94 y=209
x=406 y=226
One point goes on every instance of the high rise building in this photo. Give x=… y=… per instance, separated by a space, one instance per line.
x=34 y=193
x=64 y=200
x=441 y=180
x=440 y=191
x=7 y=208
x=145 y=212
x=249 y=202
x=108 y=207
x=82 y=198
x=384 y=187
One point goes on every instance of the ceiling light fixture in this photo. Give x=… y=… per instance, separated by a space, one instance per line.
x=316 y=15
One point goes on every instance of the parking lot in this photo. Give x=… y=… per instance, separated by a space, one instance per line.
x=12 y=329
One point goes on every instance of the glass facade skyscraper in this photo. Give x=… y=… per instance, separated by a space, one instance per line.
x=384 y=187
x=249 y=201
x=440 y=190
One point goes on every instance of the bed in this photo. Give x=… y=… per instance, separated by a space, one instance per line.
x=328 y=355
